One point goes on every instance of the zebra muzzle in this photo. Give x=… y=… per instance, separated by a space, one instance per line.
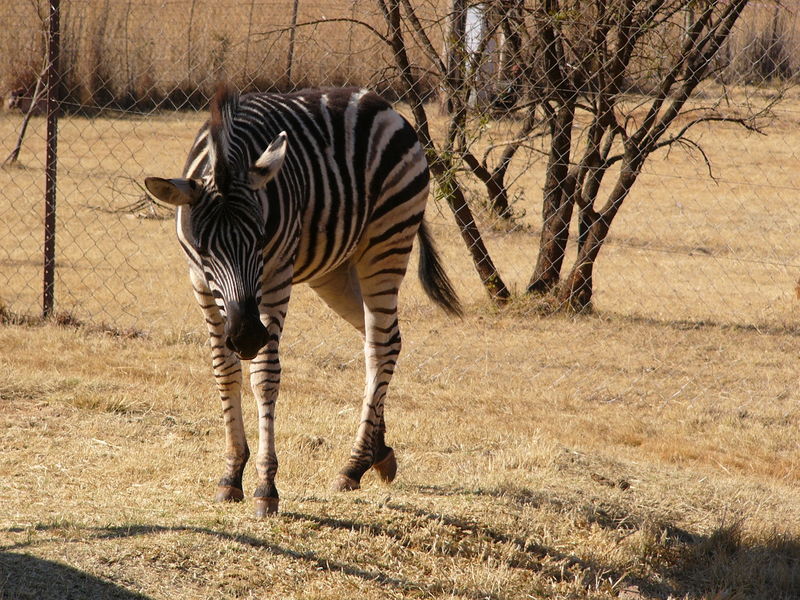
x=245 y=334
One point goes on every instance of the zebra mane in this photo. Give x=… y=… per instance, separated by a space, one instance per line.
x=224 y=106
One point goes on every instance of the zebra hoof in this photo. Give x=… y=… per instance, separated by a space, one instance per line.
x=386 y=467
x=227 y=493
x=343 y=483
x=266 y=506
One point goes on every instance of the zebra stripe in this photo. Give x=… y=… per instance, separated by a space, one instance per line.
x=326 y=187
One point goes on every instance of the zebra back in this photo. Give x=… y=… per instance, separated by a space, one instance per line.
x=353 y=164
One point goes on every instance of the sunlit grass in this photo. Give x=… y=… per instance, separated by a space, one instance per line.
x=649 y=450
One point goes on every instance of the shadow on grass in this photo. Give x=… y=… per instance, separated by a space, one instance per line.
x=791 y=330
x=674 y=562
x=313 y=559
x=24 y=577
x=671 y=562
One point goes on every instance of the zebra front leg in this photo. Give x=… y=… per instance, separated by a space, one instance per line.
x=228 y=377
x=265 y=378
x=265 y=373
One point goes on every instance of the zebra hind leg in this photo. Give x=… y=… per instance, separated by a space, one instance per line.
x=385 y=463
x=341 y=291
x=382 y=344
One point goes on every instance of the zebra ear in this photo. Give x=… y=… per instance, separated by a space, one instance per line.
x=269 y=163
x=175 y=192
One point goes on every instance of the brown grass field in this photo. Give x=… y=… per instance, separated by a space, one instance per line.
x=146 y=51
x=649 y=450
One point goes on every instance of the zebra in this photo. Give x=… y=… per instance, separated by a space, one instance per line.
x=326 y=187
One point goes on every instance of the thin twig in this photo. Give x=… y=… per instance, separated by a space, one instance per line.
x=364 y=24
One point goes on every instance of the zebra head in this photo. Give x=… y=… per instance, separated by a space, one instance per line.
x=222 y=221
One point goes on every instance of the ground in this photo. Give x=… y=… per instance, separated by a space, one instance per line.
x=648 y=450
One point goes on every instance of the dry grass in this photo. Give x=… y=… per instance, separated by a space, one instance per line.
x=533 y=464
x=149 y=52
x=651 y=450
x=153 y=53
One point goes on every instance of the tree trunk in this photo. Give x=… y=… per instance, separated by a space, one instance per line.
x=37 y=94
x=495 y=180
x=512 y=23
x=470 y=234
x=37 y=91
x=557 y=205
x=455 y=48
x=576 y=291
x=496 y=192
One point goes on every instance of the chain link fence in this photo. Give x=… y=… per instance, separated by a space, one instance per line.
x=708 y=230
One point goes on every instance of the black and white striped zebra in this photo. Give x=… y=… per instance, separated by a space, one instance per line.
x=326 y=187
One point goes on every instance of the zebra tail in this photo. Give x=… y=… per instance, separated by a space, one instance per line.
x=433 y=277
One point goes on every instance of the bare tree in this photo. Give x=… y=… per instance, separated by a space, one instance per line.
x=601 y=82
x=443 y=158
x=593 y=61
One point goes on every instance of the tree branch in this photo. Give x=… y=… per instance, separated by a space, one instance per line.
x=427 y=45
x=364 y=24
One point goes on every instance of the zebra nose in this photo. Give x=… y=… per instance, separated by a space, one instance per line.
x=244 y=332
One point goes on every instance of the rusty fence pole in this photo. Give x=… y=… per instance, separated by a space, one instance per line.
x=50 y=169
x=292 y=35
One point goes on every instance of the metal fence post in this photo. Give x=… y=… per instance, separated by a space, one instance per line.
x=292 y=34
x=51 y=163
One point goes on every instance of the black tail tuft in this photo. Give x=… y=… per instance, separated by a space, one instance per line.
x=434 y=279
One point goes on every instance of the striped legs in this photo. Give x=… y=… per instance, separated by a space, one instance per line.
x=228 y=377
x=381 y=349
x=265 y=377
x=265 y=372
x=369 y=303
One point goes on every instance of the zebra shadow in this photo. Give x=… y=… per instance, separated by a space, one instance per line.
x=721 y=554
x=24 y=577
x=63 y=582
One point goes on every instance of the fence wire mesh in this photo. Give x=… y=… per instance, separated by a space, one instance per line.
x=534 y=109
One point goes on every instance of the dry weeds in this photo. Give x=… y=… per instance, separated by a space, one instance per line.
x=651 y=450
x=147 y=52
x=580 y=458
